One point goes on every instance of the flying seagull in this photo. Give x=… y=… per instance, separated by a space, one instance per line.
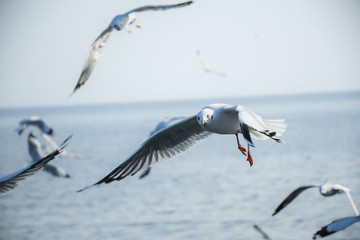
x=326 y=190
x=177 y=138
x=207 y=67
x=161 y=125
x=119 y=22
x=336 y=226
x=9 y=182
x=36 y=122
x=34 y=147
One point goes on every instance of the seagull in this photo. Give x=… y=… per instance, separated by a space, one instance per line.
x=326 y=190
x=34 y=121
x=206 y=66
x=52 y=145
x=9 y=181
x=161 y=125
x=336 y=226
x=215 y=118
x=35 y=152
x=119 y=22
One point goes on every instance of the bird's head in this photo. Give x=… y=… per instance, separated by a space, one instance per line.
x=205 y=116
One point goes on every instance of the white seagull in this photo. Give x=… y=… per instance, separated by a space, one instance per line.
x=119 y=22
x=52 y=145
x=336 y=226
x=207 y=67
x=36 y=122
x=326 y=190
x=161 y=125
x=177 y=138
x=34 y=147
x=9 y=182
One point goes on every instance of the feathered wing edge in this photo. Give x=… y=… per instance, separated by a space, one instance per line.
x=158 y=7
x=336 y=226
x=162 y=145
x=291 y=197
x=11 y=180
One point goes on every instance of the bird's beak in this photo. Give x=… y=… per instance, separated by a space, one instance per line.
x=204 y=121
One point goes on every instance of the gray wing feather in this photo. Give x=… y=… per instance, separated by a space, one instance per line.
x=158 y=7
x=93 y=56
x=9 y=182
x=162 y=145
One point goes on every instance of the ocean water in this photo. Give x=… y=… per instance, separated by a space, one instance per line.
x=208 y=192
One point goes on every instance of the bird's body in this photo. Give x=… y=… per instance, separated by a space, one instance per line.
x=325 y=190
x=9 y=181
x=119 y=23
x=336 y=226
x=178 y=137
x=34 y=147
x=36 y=122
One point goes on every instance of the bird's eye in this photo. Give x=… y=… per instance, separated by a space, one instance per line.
x=212 y=116
x=198 y=118
x=207 y=116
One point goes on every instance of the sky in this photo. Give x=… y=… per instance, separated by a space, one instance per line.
x=264 y=47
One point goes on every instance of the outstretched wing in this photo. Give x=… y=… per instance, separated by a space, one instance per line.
x=164 y=144
x=291 y=197
x=336 y=226
x=92 y=58
x=158 y=7
x=9 y=182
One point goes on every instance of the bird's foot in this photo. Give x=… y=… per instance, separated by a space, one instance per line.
x=129 y=31
x=242 y=149
x=249 y=158
x=138 y=26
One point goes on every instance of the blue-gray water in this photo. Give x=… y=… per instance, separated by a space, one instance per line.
x=208 y=192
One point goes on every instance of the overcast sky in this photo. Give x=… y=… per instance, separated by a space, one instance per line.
x=264 y=47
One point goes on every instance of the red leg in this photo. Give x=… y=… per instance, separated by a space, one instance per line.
x=241 y=148
x=249 y=158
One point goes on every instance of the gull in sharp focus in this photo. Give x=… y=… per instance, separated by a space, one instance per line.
x=9 y=182
x=326 y=190
x=119 y=22
x=336 y=226
x=36 y=122
x=34 y=147
x=177 y=138
x=161 y=125
x=207 y=67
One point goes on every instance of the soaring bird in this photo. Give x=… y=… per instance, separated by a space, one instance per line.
x=207 y=67
x=34 y=147
x=326 y=190
x=9 y=181
x=177 y=138
x=36 y=122
x=119 y=22
x=336 y=226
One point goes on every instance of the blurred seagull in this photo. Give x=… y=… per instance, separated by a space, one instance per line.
x=9 y=182
x=52 y=145
x=34 y=121
x=336 y=226
x=161 y=125
x=177 y=138
x=206 y=66
x=34 y=148
x=119 y=22
x=326 y=190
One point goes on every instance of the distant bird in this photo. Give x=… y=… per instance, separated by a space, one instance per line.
x=262 y=232
x=52 y=145
x=207 y=67
x=34 y=147
x=36 y=122
x=336 y=226
x=119 y=22
x=161 y=125
x=326 y=190
x=9 y=182
x=177 y=138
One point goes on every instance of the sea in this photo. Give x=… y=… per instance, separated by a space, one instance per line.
x=207 y=192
